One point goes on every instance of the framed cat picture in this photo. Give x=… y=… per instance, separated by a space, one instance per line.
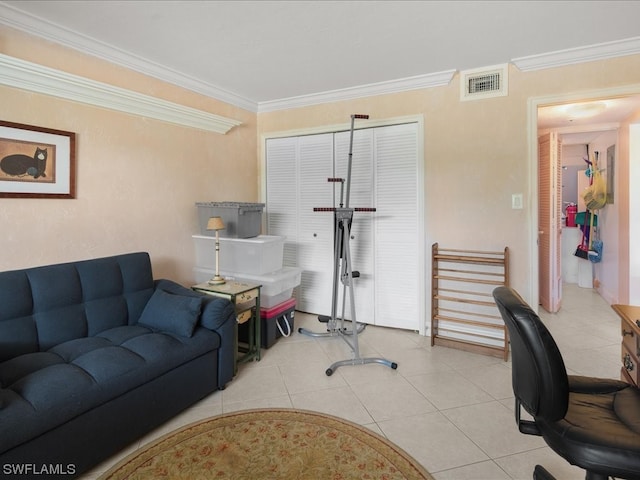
x=36 y=162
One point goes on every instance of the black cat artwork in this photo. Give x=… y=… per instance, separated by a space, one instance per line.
x=20 y=165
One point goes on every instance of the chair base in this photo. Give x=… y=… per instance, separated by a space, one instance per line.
x=541 y=473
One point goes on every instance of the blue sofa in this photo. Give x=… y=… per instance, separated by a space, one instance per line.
x=94 y=354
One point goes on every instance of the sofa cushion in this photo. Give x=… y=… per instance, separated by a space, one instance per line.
x=171 y=313
x=45 y=306
x=42 y=390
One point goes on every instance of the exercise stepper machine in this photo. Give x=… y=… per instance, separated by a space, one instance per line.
x=344 y=273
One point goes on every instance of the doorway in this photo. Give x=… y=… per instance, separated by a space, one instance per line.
x=576 y=120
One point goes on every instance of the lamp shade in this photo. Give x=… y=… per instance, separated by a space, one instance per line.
x=215 y=223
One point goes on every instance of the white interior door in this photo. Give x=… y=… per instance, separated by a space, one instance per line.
x=549 y=221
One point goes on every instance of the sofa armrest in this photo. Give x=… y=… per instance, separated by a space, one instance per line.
x=173 y=287
x=219 y=315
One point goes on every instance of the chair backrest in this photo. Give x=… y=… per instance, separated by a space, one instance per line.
x=539 y=376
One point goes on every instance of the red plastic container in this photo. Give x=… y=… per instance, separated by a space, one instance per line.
x=570 y=212
x=281 y=314
x=278 y=309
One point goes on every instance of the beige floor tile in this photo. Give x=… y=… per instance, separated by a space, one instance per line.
x=520 y=466
x=337 y=348
x=283 y=401
x=367 y=373
x=495 y=379
x=382 y=400
x=460 y=359
x=433 y=441
x=492 y=427
x=449 y=389
x=389 y=340
x=417 y=360
x=374 y=428
x=254 y=381
x=488 y=470
x=595 y=362
x=308 y=377
x=296 y=352
x=339 y=402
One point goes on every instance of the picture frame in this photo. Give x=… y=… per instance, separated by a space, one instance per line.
x=36 y=162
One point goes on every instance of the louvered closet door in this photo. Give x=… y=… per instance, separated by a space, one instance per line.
x=362 y=195
x=549 y=221
x=297 y=173
x=315 y=229
x=396 y=232
x=386 y=244
x=282 y=194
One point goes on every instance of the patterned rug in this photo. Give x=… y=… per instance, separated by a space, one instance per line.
x=270 y=444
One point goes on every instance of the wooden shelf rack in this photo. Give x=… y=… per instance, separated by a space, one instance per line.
x=463 y=312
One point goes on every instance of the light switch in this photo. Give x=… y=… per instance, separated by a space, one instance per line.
x=516 y=201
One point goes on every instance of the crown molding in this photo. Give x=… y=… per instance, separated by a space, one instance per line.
x=589 y=53
x=34 y=25
x=598 y=127
x=39 y=27
x=25 y=75
x=381 y=88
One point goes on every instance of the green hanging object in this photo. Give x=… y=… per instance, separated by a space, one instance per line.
x=580 y=216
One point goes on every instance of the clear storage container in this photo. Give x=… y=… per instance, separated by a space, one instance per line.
x=255 y=256
x=276 y=286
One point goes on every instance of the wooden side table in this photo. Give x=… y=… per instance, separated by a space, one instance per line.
x=630 y=353
x=246 y=298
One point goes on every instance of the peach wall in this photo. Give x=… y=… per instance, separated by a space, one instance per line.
x=476 y=152
x=138 y=179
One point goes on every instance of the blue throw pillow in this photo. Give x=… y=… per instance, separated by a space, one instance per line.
x=171 y=313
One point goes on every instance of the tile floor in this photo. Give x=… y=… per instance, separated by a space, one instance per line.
x=451 y=410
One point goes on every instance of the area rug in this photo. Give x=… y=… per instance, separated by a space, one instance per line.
x=270 y=444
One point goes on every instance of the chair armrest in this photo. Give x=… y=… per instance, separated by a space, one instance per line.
x=528 y=427
x=579 y=384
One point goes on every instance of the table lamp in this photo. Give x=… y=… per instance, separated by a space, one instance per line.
x=216 y=223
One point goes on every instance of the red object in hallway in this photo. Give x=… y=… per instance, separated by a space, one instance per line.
x=571 y=212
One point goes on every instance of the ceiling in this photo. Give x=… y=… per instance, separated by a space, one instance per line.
x=582 y=122
x=263 y=51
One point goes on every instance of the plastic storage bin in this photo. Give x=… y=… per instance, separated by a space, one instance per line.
x=256 y=256
x=241 y=220
x=272 y=321
x=276 y=286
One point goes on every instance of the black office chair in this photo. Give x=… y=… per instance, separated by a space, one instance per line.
x=592 y=423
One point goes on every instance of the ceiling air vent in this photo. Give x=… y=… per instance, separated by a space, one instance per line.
x=484 y=82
